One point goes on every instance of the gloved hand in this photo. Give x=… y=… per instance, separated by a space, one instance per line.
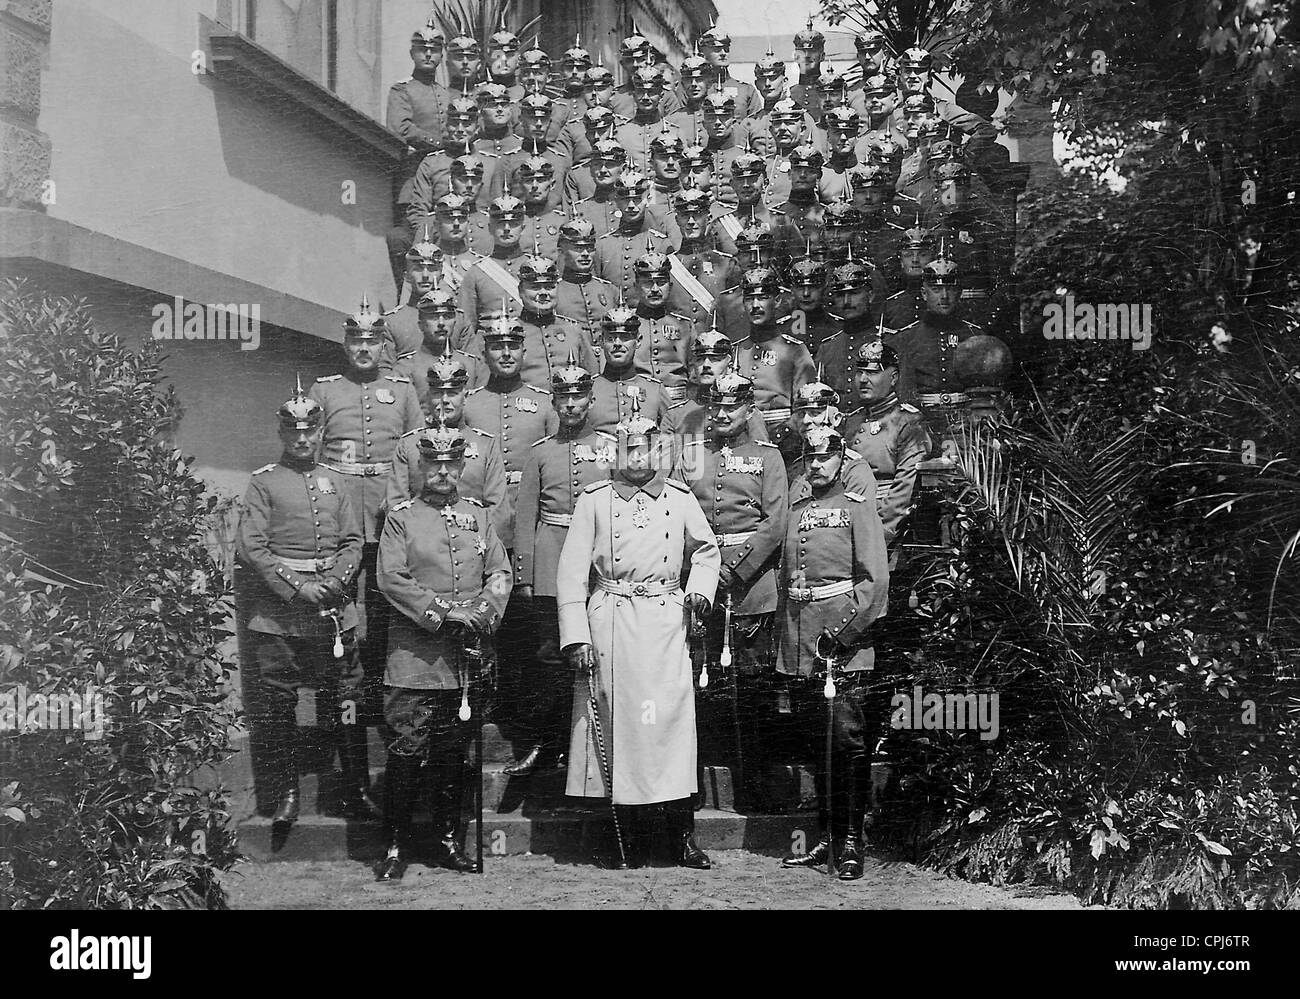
x=480 y=619
x=581 y=657
x=459 y=617
x=334 y=594
x=696 y=609
x=311 y=592
x=726 y=577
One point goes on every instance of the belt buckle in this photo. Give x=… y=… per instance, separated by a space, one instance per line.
x=638 y=590
x=945 y=398
x=368 y=470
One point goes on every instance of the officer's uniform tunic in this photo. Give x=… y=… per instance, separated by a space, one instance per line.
x=893 y=441
x=612 y=394
x=778 y=366
x=616 y=253
x=483 y=479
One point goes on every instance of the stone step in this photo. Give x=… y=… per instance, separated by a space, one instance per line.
x=571 y=832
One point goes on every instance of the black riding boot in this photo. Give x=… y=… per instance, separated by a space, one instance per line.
x=857 y=785
x=821 y=851
x=399 y=801
x=448 y=800
x=357 y=802
x=282 y=743
x=682 y=823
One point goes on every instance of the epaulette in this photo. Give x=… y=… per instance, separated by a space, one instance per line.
x=398 y=507
x=539 y=391
x=265 y=468
x=606 y=235
x=972 y=325
x=601 y=280
x=852 y=455
x=678 y=315
x=729 y=256
x=329 y=378
x=693 y=443
x=678 y=485
x=398 y=378
x=481 y=433
x=896 y=294
x=597 y=485
x=543 y=440
x=652 y=378
x=400 y=82
x=484 y=152
x=766 y=444
x=607 y=436
x=471 y=499
x=473 y=390
x=410 y=433
x=916 y=322
x=828 y=339
x=856 y=497
x=790 y=339
x=656 y=232
x=677 y=405
x=907 y=407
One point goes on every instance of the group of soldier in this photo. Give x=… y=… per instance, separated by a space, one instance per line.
x=678 y=303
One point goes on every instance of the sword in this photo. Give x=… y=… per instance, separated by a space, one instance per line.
x=474 y=651
x=594 y=708
x=828 y=692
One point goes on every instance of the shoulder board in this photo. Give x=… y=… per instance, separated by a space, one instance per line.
x=972 y=325
x=601 y=280
x=896 y=294
x=606 y=235
x=729 y=256
x=856 y=497
x=329 y=378
x=678 y=485
x=389 y=312
x=539 y=391
x=656 y=232
x=766 y=444
x=581 y=201
x=910 y=325
x=677 y=405
x=852 y=455
x=650 y=378
x=678 y=315
x=471 y=500
x=542 y=440
x=692 y=443
x=597 y=485
x=909 y=408
x=265 y=468
x=473 y=390
x=777 y=211
x=488 y=153
x=410 y=433
x=465 y=428
x=608 y=437
x=828 y=339
x=397 y=507
x=790 y=339
x=398 y=378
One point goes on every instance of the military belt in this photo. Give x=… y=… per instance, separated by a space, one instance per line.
x=941 y=398
x=306 y=564
x=726 y=540
x=555 y=519
x=649 y=588
x=776 y=415
x=360 y=468
x=514 y=478
x=806 y=594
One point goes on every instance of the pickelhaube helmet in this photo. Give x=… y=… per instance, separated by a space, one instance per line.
x=571 y=379
x=874 y=355
x=918 y=104
x=786 y=109
x=596 y=118
x=491 y=93
x=452 y=206
x=447 y=374
x=809 y=37
x=462 y=109
x=755 y=236
x=869 y=40
x=576 y=55
x=630 y=183
x=429 y=35
x=469 y=165
x=877 y=85
x=730 y=389
x=692 y=67
x=608 y=149
x=760 y=281
x=633 y=47
x=696 y=158
x=598 y=76
x=647 y=78
x=534 y=166
x=437 y=301
x=441 y=443
x=719 y=101
x=507 y=41
x=917 y=238
x=503 y=328
x=840 y=213
x=365 y=323
x=770 y=66
x=928 y=127
x=636 y=430
x=829 y=79
x=425 y=249
x=300 y=412
x=506 y=207
x=823 y=441
x=536 y=269
x=807 y=155
x=942 y=150
x=748 y=164
x=536 y=106
x=953 y=171
x=712 y=343
x=816 y=395
x=941 y=272
x=715 y=38
x=870 y=175
x=652 y=264
x=621 y=319
x=808 y=271
x=578 y=230
x=464 y=43
x=667 y=142
x=844 y=118
x=916 y=58
x=850 y=276
x=535 y=57
x=692 y=201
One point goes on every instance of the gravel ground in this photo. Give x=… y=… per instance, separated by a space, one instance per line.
x=739 y=880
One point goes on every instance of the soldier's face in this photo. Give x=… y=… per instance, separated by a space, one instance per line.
x=715 y=56
x=809 y=296
x=536 y=188
x=646 y=99
x=467 y=185
x=692 y=224
x=718 y=123
x=463 y=65
x=299 y=444
x=536 y=127
x=809 y=59
x=667 y=167
x=620 y=349
x=638 y=463
x=599 y=97
x=436 y=327
x=728 y=421
x=631 y=205
x=603 y=171
x=533 y=79
x=495 y=114
x=761 y=308
x=460 y=130
x=913 y=81
x=841 y=139
x=506 y=232
x=941 y=299
x=837 y=236
x=698 y=178
x=695 y=87
x=787 y=132
x=362 y=354
x=572 y=409
x=441 y=477
x=538 y=296
x=447 y=405
x=817 y=416
x=823 y=469
x=913 y=262
x=503 y=357
x=707 y=369
x=768 y=85
x=871 y=59
x=855 y=302
x=422 y=274
x=426 y=58
x=451 y=228
x=875 y=386
x=577 y=258
x=503 y=62
x=748 y=186
x=879 y=105
x=653 y=289
x=804 y=178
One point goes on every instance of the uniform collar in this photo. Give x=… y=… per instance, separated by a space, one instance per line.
x=628 y=374
x=657 y=313
x=355 y=376
x=437 y=502
x=294 y=465
x=627 y=490
x=499 y=253
x=576 y=278
x=879 y=409
x=537 y=318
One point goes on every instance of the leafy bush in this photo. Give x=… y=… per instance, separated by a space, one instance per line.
x=106 y=587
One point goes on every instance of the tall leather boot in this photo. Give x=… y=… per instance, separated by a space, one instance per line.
x=448 y=799
x=282 y=741
x=821 y=851
x=357 y=802
x=857 y=785
x=399 y=802
x=685 y=852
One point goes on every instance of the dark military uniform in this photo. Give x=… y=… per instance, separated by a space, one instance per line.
x=612 y=395
x=415 y=366
x=715 y=273
x=483 y=480
x=838 y=353
x=585 y=300
x=542 y=232
x=416 y=112
x=488 y=282
x=925 y=353
x=662 y=347
x=892 y=439
x=516 y=417
x=688 y=419
x=548 y=343
x=777 y=364
x=617 y=250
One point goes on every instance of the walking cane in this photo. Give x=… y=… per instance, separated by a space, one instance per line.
x=594 y=708
x=828 y=692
